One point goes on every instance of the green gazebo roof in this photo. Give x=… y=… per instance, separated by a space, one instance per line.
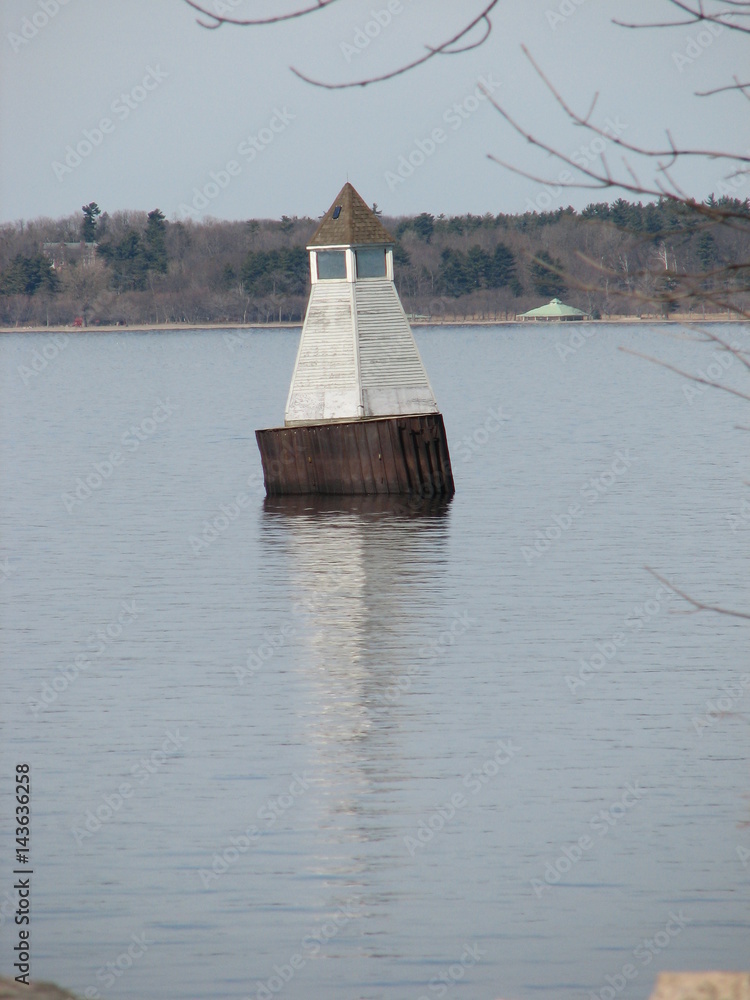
x=553 y=310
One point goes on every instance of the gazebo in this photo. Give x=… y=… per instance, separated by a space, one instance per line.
x=555 y=311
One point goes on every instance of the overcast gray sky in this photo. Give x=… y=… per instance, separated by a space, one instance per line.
x=131 y=104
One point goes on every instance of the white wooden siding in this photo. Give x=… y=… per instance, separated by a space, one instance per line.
x=357 y=356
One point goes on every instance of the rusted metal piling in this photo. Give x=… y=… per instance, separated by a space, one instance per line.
x=361 y=416
x=399 y=455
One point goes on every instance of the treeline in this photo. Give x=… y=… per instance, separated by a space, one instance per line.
x=136 y=267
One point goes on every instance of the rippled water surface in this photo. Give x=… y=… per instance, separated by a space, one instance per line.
x=357 y=749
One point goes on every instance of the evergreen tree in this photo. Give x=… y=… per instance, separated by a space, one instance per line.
x=28 y=275
x=284 y=271
x=88 y=225
x=424 y=226
x=545 y=275
x=156 y=242
x=708 y=255
x=453 y=277
x=478 y=264
x=502 y=267
x=128 y=261
x=401 y=256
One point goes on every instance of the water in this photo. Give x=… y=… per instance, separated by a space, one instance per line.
x=335 y=750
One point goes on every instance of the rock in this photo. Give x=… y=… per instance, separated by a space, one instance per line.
x=11 y=990
x=701 y=986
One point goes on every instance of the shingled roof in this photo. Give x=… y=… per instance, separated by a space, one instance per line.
x=355 y=224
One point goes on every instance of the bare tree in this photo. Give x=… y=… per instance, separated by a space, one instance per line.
x=721 y=287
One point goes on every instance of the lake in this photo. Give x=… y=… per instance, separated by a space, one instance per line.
x=360 y=749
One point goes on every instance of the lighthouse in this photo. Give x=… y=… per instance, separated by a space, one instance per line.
x=361 y=415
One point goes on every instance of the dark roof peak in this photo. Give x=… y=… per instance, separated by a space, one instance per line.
x=349 y=220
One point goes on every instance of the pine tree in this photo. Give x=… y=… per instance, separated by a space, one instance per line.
x=88 y=225
x=28 y=275
x=156 y=242
x=545 y=275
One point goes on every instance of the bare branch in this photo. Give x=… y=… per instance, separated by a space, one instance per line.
x=740 y=8
x=680 y=371
x=697 y=605
x=741 y=87
x=219 y=19
x=445 y=48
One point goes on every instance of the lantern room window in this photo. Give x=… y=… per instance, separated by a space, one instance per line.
x=331 y=264
x=371 y=262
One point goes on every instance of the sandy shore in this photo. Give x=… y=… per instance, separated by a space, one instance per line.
x=678 y=318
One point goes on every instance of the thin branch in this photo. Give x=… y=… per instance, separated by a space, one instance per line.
x=443 y=49
x=697 y=605
x=699 y=16
x=220 y=19
x=473 y=45
x=741 y=87
x=668 y=153
x=680 y=371
x=602 y=178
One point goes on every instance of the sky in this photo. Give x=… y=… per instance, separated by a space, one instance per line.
x=133 y=105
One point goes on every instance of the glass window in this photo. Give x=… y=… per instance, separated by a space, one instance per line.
x=371 y=262
x=331 y=264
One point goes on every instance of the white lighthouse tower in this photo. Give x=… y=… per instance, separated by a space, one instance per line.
x=361 y=415
x=357 y=356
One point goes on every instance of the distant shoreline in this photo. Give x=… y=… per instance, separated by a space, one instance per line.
x=680 y=318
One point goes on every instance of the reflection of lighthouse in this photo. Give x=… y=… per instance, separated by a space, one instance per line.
x=364 y=579
x=356 y=570
x=361 y=416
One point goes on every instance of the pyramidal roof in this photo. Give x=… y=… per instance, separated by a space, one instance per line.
x=555 y=308
x=349 y=220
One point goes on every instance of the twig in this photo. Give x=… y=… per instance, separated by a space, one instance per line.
x=697 y=605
